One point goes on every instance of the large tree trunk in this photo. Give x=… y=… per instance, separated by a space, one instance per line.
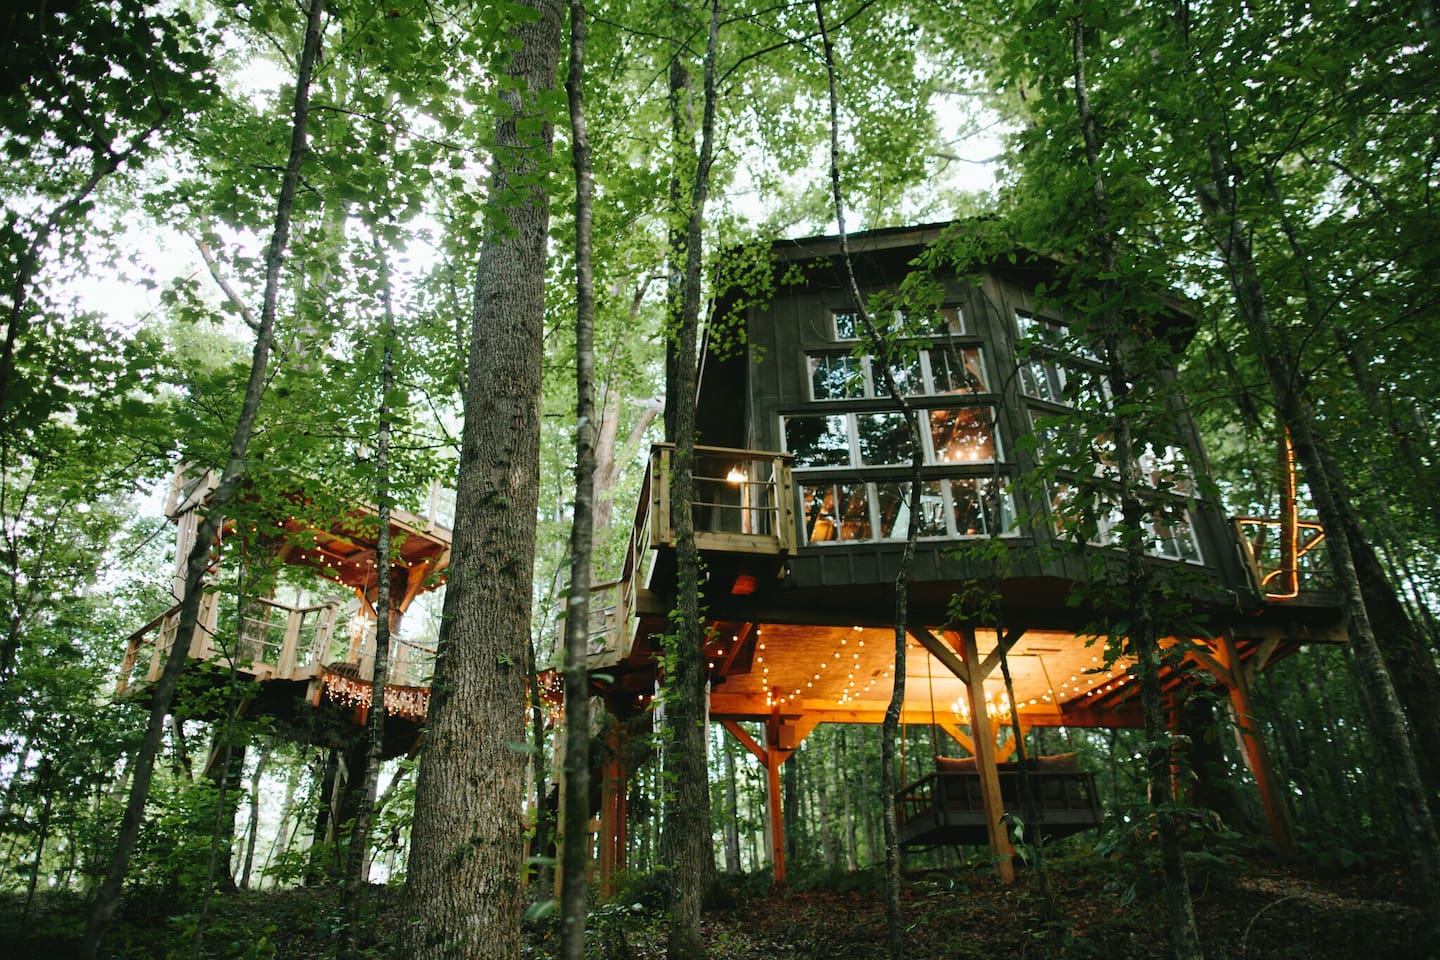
x=462 y=893
x=687 y=852
x=107 y=897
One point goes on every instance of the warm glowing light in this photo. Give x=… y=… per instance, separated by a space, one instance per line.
x=736 y=475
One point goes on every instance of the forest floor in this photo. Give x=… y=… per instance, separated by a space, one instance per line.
x=1255 y=909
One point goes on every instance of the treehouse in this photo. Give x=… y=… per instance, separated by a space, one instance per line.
x=309 y=658
x=801 y=515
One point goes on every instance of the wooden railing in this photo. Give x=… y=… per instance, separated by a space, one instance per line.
x=744 y=503
x=275 y=641
x=1283 y=558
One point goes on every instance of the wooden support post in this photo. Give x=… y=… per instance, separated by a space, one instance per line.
x=777 y=818
x=984 y=737
x=1277 y=812
x=774 y=757
x=614 y=782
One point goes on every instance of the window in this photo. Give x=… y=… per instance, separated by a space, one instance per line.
x=1168 y=529
x=836 y=512
x=947 y=321
x=1064 y=379
x=964 y=435
x=934 y=371
x=836 y=376
x=819 y=441
x=971 y=507
x=884 y=439
x=981 y=507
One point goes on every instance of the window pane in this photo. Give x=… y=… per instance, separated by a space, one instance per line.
x=966 y=435
x=891 y=499
x=1043 y=380
x=821 y=523
x=855 y=518
x=847 y=326
x=835 y=377
x=957 y=370
x=884 y=439
x=981 y=507
x=907 y=377
x=1175 y=538
x=818 y=441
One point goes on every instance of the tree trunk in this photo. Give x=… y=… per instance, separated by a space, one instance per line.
x=253 y=824
x=462 y=896
x=732 y=812
x=883 y=349
x=1140 y=627
x=357 y=867
x=107 y=897
x=687 y=853
x=843 y=771
x=575 y=818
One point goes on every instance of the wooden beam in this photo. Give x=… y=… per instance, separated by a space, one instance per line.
x=773 y=759
x=984 y=738
x=959 y=735
x=1002 y=647
x=746 y=635
x=941 y=652
x=613 y=815
x=1277 y=813
x=747 y=741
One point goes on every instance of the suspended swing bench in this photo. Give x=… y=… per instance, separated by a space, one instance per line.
x=946 y=808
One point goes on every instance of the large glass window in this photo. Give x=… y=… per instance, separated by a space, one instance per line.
x=1055 y=367
x=836 y=376
x=961 y=435
x=956 y=370
x=1167 y=528
x=836 y=512
x=981 y=507
x=884 y=439
x=852 y=511
x=947 y=321
x=934 y=371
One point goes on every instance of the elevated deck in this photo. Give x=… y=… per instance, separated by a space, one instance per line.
x=317 y=653
x=783 y=647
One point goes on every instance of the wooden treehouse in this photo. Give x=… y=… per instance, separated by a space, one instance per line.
x=800 y=517
x=307 y=658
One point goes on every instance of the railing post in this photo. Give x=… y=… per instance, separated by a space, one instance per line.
x=784 y=506
x=662 y=528
x=285 y=663
x=324 y=631
x=168 y=627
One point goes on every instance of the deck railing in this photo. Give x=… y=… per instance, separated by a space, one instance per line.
x=412 y=663
x=1284 y=559
x=275 y=641
x=744 y=502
